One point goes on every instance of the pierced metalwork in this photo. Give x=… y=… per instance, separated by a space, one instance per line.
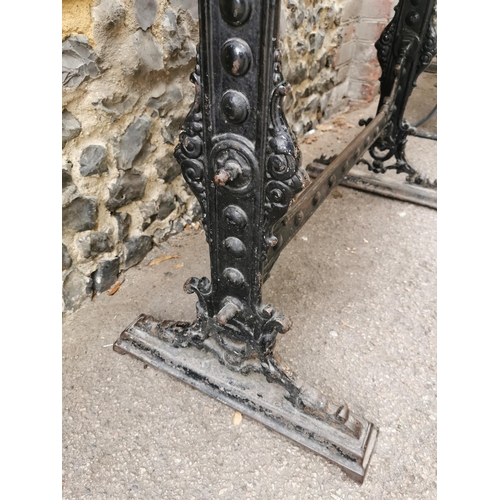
x=386 y=148
x=410 y=41
x=241 y=160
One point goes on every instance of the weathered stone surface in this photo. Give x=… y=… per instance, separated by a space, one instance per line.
x=130 y=186
x=161 y=235
x=190 y=6
x=67 y=180
x=106 y=274
x=80 y=214
x=316 y=41
x=93 y=160
x=333 y=15
x=166 y=204
x=117 y=104
x=132 y=141
x=148 y=51
x=340 y=106
x=295 y=13
x=142 y=157
x=93 y=244
x=308 y=125
x=168 y=135
x=298 y=128
x=193 y=210
x=342 y=74
x=174 y=227
x=79 y=61
x=136 y=248
x=149 y=212
x=69 y=195
x=179 y=45
x=166 y=100
x=67 y=261
x=71 y=127
x=298 y=113
x=123 y=221
x=318 y=88
x=288 y=102
x=326 y=60
x=167 y=168
x=324 y=101
x=312 y=38
x=77 y=289
x=296 y=74
x=314 y=70
x=69 y=192
x=145 y=13
x=109 y=14
x=313 y=104
x=170 y=24
x=301 y=47
x=172 y=125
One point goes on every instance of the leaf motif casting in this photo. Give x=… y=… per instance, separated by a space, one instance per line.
x=284 y=175
x=189 y=151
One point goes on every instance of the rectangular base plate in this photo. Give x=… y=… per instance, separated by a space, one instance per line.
x=384 y=186
x=253 y=396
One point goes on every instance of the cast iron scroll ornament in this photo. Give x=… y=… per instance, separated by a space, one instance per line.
x=240 y=332
x=284 y=175
x=237 y=327
x=242 y=162
x=189 y=150
x=411 y=31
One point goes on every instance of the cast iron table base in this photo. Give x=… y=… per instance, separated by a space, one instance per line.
x=241 y=160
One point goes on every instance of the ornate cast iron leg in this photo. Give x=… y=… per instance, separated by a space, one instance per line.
x=410 y=31
x=241 y=161
x=412 y=25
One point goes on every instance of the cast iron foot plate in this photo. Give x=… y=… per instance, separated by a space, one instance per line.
x=383 y=186
x=253 y=396
x=391 y=188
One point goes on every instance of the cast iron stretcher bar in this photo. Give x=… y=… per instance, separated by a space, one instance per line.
x=309 y=200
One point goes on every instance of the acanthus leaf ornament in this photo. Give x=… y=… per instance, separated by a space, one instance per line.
x=429 y=48
x=384 y=46
x=189 y=151
x=285 y=177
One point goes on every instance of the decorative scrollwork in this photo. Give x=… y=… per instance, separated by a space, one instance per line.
x=384 y=45
x=411 y=47
x=203 y=289
x=273 y=323
x=189 y=151
x=284 y=175
x=429 y=48
x=387 y=147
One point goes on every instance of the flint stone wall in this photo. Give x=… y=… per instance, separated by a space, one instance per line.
x=126 y=92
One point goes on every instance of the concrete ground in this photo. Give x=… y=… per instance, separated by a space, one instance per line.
x=359 y=283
